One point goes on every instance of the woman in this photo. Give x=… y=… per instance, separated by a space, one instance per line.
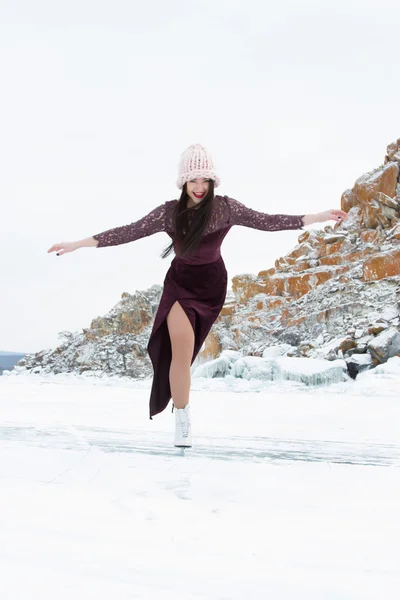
x=196 y=282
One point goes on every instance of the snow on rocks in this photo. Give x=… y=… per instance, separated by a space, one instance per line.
x=389 y=371
x=279 y=350
x=311 y=372
x=331 y=239
x=385 y=345
x=219 y=367
x=336 y=347
x=357 y=363
x=254 y=367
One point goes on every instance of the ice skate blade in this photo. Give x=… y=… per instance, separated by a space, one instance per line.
x=182 y=449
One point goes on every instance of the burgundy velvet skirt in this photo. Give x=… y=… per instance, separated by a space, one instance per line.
x=201 y=291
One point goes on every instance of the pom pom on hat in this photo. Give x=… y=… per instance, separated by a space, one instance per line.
x=195 y=162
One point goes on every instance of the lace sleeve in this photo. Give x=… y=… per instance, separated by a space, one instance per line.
x=239 y=214
x=155 y=221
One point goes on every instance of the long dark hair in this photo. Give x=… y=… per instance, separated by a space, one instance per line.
x=187 y=236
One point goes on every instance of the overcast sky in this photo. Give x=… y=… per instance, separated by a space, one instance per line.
x=295 y=100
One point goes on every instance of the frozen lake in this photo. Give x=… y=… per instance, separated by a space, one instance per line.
x=288 y=492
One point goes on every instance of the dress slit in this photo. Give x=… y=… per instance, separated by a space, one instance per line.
x=201 y=292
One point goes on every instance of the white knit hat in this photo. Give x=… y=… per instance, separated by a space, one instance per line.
x=195 y=162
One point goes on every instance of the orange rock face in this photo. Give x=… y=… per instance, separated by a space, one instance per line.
x=367 y=189
x=245 y=288
x=382 y=265
x=302 y=250
x=299 y=285
x=302 y=265
x=267 y=272
x=347 y=344
x=369 y=236
x=328 y=249
x=212 y=347
x=334 y=259
x=348 y=200
x=383 y=179
x=290 y=286
x=227 y=309
x=393 y=152
x=270 y=303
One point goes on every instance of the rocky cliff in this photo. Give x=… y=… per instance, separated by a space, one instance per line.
x=335 y=295
x=113 y=344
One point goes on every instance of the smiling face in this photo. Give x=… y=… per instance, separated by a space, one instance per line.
x=197 y=190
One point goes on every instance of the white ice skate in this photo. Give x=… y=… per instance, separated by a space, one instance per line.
x=183 y=431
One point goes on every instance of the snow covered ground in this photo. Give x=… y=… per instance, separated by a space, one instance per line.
x=288 y=493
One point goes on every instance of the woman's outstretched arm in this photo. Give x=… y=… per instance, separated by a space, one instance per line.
x=239 y=214
x=153 y=222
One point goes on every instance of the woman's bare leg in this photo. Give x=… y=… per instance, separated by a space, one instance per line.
x=182 y=343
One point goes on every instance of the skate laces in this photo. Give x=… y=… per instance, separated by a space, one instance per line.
x=185 y=428
x=184 y=423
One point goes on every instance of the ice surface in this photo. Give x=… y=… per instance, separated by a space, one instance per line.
x=284 y=494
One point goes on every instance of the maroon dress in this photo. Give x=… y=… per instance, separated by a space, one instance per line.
x=199 y=283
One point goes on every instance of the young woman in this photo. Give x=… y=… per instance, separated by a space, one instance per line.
x=195 y=284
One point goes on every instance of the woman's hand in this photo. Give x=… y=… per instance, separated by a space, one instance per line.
x=333 y=215
x=328 y=215
x=63 y=248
